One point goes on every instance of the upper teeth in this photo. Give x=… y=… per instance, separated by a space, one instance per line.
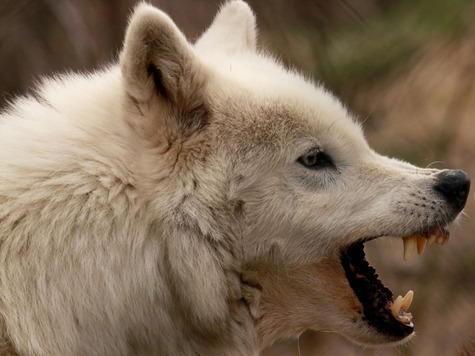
x=431 y=239
x=438 y=235
x=409 y=246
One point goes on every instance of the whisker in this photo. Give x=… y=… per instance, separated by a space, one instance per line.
x=435 y=162
x=298 y=345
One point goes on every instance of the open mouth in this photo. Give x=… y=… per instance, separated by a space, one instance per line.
x=388 y=315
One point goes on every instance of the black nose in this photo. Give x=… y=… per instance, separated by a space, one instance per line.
x=454 y=185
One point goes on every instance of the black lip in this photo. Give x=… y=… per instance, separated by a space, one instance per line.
x=371 y=292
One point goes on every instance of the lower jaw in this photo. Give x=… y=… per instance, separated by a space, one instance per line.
x=390 y=328
x=370 y=337
x=375 y=298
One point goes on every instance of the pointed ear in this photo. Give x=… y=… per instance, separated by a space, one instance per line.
x=158 y=61
x=232 y=31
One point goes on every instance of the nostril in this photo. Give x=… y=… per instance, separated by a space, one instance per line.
x=454 y=185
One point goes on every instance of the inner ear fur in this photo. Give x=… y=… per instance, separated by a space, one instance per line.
x=158 y=63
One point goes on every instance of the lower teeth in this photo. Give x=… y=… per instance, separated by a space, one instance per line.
x=400 y=306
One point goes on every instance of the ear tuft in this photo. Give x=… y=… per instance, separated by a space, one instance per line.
x=232 y=31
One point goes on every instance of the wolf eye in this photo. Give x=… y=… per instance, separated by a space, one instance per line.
x=315 y=159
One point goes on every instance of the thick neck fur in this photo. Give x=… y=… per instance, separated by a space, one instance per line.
x=115 y=187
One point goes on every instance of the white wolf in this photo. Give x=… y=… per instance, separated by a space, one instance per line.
x=199 y=200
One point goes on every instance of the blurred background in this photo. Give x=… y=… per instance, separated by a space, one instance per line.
x=406 y=68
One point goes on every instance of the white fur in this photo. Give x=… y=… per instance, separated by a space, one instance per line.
x=135 y=202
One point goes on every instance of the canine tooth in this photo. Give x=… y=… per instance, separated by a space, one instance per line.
x=409 y=246
x=407 y=300
x=421 y=244
x=431 y=239
x=396 y=306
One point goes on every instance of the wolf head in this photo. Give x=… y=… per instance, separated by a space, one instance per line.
x=251 y=169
